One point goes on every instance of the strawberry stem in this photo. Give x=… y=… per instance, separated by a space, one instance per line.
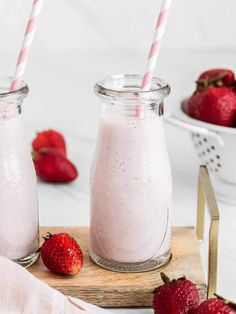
x=165 y=278
x=219 y=297
x=48 y=236
x=230 y=303
x=217 y=80
x=34 y=155
x=38 y=250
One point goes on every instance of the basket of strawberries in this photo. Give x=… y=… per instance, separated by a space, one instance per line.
x=210 y=116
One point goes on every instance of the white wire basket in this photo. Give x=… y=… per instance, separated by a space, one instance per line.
x=216 y=148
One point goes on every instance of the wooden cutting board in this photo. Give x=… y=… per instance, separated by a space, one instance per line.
x=111 y=289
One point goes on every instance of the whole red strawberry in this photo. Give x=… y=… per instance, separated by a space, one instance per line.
x=175 y=296
x=215 y=306
x=51 y=166
x=214 y=101
x=50 y=138
x=61 y=254
x=215 y=105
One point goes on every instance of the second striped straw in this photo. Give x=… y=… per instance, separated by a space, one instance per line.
x=25 y=50
x=155 y=49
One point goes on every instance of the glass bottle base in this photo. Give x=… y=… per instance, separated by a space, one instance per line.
x=28 y=260
x=131 y=267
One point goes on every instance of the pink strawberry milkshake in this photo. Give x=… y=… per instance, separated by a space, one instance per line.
x=18 y=190
x=18 y=198
x=130 y=191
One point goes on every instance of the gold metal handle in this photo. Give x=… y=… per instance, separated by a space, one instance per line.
x=206 y=198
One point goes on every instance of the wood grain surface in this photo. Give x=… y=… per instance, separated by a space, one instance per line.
x=111 y=289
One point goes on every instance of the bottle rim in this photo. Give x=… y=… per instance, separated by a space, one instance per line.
x=5 y=84
x=127 y=88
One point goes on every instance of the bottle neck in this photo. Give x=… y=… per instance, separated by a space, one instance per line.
x=124 y=111
x=9 y=110
x=11 y=101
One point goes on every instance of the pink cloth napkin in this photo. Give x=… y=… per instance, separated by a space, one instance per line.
x=22 y=293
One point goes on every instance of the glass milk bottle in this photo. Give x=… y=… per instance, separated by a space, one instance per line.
x=130 y=183
x=18 y=191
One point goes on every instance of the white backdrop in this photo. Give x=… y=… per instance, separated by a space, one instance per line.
x=81 y=41
x=84 y=25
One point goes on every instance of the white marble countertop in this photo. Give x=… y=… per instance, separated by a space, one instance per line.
x=69 y=106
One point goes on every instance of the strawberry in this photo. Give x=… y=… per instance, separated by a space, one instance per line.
x=215 y=306
x=175 y=296
x=62 y=254
x=214 y=104
x=216 y=77
x=50 y=138
x=51 y=166
x=214 y=101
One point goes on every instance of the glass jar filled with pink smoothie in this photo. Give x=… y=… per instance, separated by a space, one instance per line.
x=18 y=190
x=130 y=183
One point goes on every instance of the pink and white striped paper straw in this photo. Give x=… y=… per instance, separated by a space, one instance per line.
x=27 y=42
x=155 y=47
